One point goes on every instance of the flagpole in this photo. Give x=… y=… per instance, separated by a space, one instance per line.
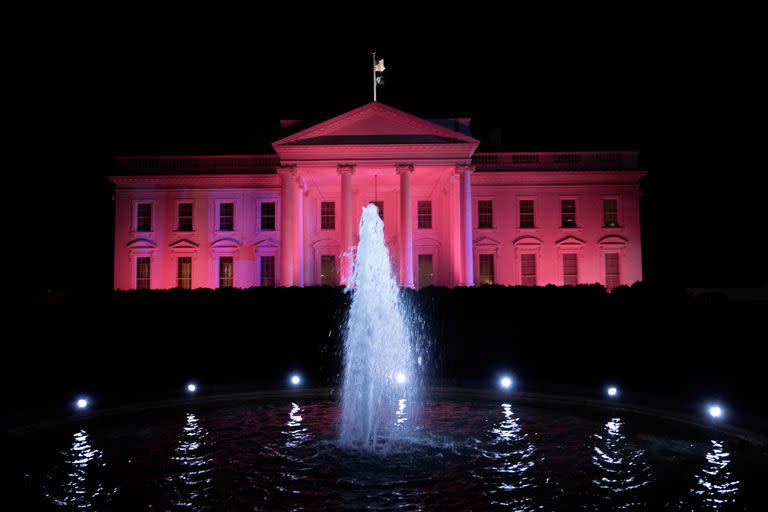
x=373 y=68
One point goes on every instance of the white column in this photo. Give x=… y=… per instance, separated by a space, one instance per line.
x=287 y=194
x=465 y=210
x=347 y=227
x=406 y=226
x=298 y=240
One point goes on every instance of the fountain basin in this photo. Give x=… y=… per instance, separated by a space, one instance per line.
x=469 y=450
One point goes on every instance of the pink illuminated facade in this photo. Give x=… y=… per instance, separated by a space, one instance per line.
x=452 y=217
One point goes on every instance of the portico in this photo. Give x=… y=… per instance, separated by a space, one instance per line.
x=407 y=165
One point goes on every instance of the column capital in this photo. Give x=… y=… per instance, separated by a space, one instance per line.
x=465 y=167
x=401 y=168
x=343 y=169
x=287 y=170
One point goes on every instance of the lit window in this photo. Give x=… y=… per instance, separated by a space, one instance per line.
x=185 y=217
x=528 y=269
x=327 y=215
x=485 y=214
x=267 y=271
x=610 y=213
x=570 y=270
x=142 y=273
x=267 y=216
x=226 y=272
x=487 y=269
x=424 y=209
x=327 y=270
x=380 y=206
x=568 y=213
x=144 y=217
x=227 y=217
x=526 y=213
x=184 y=273
x=612 y=271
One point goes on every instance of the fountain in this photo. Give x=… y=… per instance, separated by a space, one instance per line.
x=380 y=378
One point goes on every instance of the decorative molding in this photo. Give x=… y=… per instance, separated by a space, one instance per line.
x=528 y=241
x=343 y=169
x=401 y=168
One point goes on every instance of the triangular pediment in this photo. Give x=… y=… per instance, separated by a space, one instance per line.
x=570 y=241
x=375 y=124
x=184 y=244
x=486 y=242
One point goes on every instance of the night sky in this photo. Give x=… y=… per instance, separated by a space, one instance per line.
x=669 y=85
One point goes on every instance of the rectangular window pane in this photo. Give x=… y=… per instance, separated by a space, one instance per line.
x=227 y=217
x=424 y=209
x=142 y=273
x=485 y=214
x=144 y=217
x=610 y=213
x=487 y=270
x=327 y=215
x=267 y=271
x=267 y=216
x=528 y=269
x=425 y=270
x=226 y=272
x=184 y=273
x=380 y=206
x=568 y=213
x=612 y=271
x=185 y=217
x=570 y=270
x=526 y=213
x=328 y=270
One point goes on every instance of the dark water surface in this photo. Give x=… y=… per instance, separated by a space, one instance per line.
x=282 y=455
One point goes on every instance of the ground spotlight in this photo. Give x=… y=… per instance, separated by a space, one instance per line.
x=82 y=403
x=715 y=411
x=612 y=391
x=505 y=382
x=400 y=378
x=295 y=380
x=191 y=387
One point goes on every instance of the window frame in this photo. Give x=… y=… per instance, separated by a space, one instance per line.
x=178 y=269
x=177 y=217
x=430 y=214
x=519 y=215
x=219 y=258
x=576 y=209
x=260 y=213
x=136 y=278
x=323 y=216
x=479 y=215
x=619 y=212
x=480 y=257
x=152 y=216
x=261 y=270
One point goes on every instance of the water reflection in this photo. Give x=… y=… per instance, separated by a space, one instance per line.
x=78 y=482
x=621 y=470
x=192 y=479
x=511 y=459
x=296 y=433
x=715 y=487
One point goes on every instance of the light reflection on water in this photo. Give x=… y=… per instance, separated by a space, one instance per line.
x=621 y=470
x=715 y=487
x=82 y=485
x=510 y=455
x=192 y=480
x=466 y=456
